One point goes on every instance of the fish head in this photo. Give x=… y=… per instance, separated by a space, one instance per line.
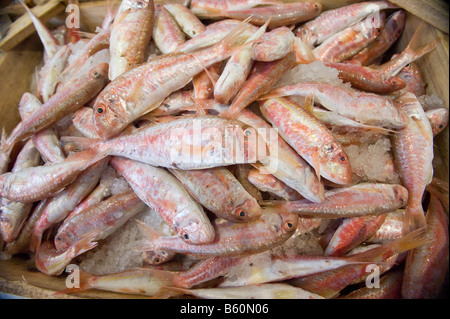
x=195 y=231
x=335 y=164
x=280 y=221
x=289 y=222
x=247 y=211
x=395 y=24
x=401 y=194
x=110 y=115
x=395 y=83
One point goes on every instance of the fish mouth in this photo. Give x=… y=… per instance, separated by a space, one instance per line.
x=249 y=210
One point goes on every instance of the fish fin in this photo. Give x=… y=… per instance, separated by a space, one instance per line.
x=87 y=243
x=303 y=53
x=278 y=92
x=48 y=40
x=80 y=143
x=309 y=104
x=232 y=41
x=316 y=164
x=85 y=284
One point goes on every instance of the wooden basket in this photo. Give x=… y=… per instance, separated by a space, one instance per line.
x=22 y=54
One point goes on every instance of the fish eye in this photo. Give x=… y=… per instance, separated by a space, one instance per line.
x=100 y=110
x=343 y=158
x=289 y=225
x=378 y=30
x=247 y=132
x=407 y=66
x=441 y=126
x=58 y=238
x=242 y=213
x=186 y=236
x=157 y=260
x=96 y=74
x=402 y=200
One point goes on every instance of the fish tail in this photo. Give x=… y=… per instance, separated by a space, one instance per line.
x=48 y=40
x=407 y=242
x=84 y=284
x=151 y=242
x=233 y=40
x=414 y=46
x=414 y=218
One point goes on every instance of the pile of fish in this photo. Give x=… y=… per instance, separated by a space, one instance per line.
x=184 y=102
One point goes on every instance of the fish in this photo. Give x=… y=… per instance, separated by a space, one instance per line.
x=59 y=206
x=49 y=74
x=177 y=102
x=67 y=100
x=411 y=53
x=232 y=239
x=438 y=119
x=261 y=291
x=137 y=281
x=414 y=167
x=309 y=138
x=352 y=232
x=97 y=43
x=284 y=267
x=103 y=219
x=214 y=33
x=363 y=107
x=354 y=201
x=392 y=30
x=36 y=183
x=273 y=45
x=366 y=78
x=162 y=192
x=390 y=229
x=21 y=245
x=262 y=78
x=13 y=214
x=413 y=78
x=166 y=32
x=390 y=286
x=82 y=120
x=130 y=34
x=329 y=22
x=266 y=182
x=186 y=19
x=51 y=262
x=49 y=42
x=143 y=88
x=282 y=161
x=426 y=265
x=329 y=284
x=189 y=142
x=346 y=43
x=280 y=14
x=236 y=70
x=203 y=8
x=220 y=192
